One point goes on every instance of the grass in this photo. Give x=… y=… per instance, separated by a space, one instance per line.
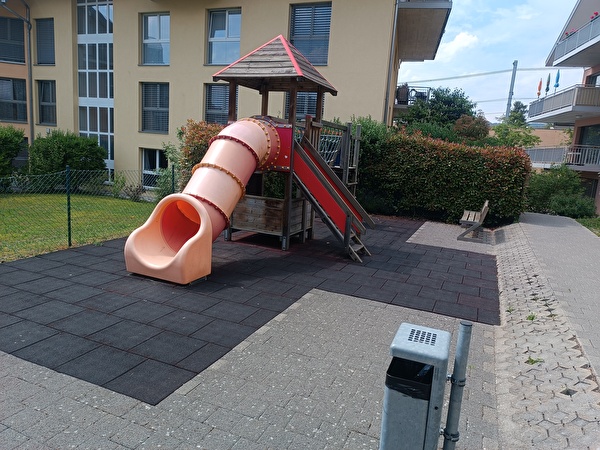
x=31 y=224
x=592 y=224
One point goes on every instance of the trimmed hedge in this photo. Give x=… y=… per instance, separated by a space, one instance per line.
x=429 y=177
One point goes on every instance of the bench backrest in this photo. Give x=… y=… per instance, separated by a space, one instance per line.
x=484 y=210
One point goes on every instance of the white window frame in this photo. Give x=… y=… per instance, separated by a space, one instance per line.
x=156 y=157
x=230 y=37
x=162 y=42
x=153 y=108
x=47 y=102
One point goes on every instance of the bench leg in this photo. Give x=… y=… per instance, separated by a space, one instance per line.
x=472 y=229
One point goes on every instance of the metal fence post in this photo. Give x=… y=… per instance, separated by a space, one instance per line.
x=68 y=189
x=172 y=178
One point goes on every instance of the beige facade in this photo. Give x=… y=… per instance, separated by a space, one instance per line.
x=361 y=37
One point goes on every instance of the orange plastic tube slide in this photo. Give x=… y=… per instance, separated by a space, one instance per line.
x=175 y=243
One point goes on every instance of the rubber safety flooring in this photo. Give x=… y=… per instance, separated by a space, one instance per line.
x=79 y=312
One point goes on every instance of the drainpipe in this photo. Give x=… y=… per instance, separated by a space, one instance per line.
x=27 y=21
x=391 y=66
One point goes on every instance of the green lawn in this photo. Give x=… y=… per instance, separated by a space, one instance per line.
x=592 y=224
x=31 y=224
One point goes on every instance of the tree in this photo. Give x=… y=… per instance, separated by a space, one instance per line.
x=513 y=130
x=472 y=128
x=444 y=107
x=517 y=115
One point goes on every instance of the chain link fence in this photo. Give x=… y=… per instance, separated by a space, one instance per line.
x=41 y=213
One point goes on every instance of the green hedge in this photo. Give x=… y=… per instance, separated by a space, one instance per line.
x=417 y=175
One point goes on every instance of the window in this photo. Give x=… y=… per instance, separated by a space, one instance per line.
x=47 y=102
x=12 y=40
x=216 y=108
x=309 y=31
x=155 y=39
x=155 y=107
x=94 y=16
x=224 y=30
x=45 y=41
x=13 y=105
x=306 y=103
x=152 y=161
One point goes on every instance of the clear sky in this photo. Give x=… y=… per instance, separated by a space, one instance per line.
x=484 y=36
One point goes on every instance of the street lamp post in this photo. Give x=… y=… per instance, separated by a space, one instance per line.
x=27 y=20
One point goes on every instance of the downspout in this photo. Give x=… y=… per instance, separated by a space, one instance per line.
x=27 y=20
x=391 y=65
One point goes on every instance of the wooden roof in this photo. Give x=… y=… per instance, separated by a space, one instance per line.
x=275 y=66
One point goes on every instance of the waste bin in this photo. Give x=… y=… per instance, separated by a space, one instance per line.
x=414 y=388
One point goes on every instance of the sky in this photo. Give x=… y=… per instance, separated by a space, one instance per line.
x=484 y=36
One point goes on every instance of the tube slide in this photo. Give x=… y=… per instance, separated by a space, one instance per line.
x=175 y=243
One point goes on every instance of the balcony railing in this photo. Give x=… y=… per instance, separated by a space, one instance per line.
x=570 y=99
x=408 y=95
x=580 y=156
x=576 y=39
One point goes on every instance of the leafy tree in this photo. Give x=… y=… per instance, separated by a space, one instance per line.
x=444 y=106
x=54 y=152
x=513 y=136
x=472 y=128
x=11 y=143
x=517 y=115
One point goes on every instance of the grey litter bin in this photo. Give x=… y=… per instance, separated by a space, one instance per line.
x=414 y=388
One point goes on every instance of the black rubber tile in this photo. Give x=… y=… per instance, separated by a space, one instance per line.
x=203 y=358
x=237 y=294
x=36 y=264
x=44 y=285
x=66 y=271
x=192 y=303
x=49 y=311
x=23 y=333
x=19 y=300
x=125 y=334
x=224 y=333
x=158 y=292
x=101 y=365
x=56 y=350
x=107 y=302
x=94 y=278
x=182 y=322
x=86 y=322
x=274 y=303
x=143 y=311
x=259 y=318
x=18 y=277
x=74 y=293
x=230 y=311
x=168 y=347
x=6 y=319
x=150 y=381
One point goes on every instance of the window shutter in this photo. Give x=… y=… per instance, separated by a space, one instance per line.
x=45 y=41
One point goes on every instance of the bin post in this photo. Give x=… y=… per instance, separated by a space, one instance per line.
x=414 y=388
x=458 y=380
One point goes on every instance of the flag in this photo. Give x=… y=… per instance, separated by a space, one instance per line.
x=548 y=84
x=539 y=88
x=557 y=78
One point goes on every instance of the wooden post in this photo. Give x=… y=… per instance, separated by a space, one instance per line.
x=232 y=113
x=319 y=111
x=289 y=181
x=264 y=105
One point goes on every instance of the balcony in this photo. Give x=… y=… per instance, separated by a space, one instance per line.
x=566 y=106
x=579 y=48
x=407 y=95
x=583 y=158
x=421 y=24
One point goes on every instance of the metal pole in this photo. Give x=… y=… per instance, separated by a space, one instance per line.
x=451 y=434
x=510 y=90
x=68 y=189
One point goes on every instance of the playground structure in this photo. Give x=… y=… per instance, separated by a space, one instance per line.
x=175 y=243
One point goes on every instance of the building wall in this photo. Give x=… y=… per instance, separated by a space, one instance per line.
x=358 y=60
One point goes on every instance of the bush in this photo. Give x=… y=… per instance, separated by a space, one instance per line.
x=11 y=143
x=194 y=140
x=420 y=175
x=559 y=191
x=57 y=150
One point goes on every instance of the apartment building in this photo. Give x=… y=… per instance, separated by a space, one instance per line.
x=578 y=45
x=131 y=72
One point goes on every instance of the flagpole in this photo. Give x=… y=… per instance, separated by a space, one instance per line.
x=511 y=89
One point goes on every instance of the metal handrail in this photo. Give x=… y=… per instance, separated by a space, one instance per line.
x=578 y=95
x=577 y=155
x=576 y=39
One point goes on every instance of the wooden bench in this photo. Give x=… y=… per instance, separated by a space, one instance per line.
x=472 y=220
